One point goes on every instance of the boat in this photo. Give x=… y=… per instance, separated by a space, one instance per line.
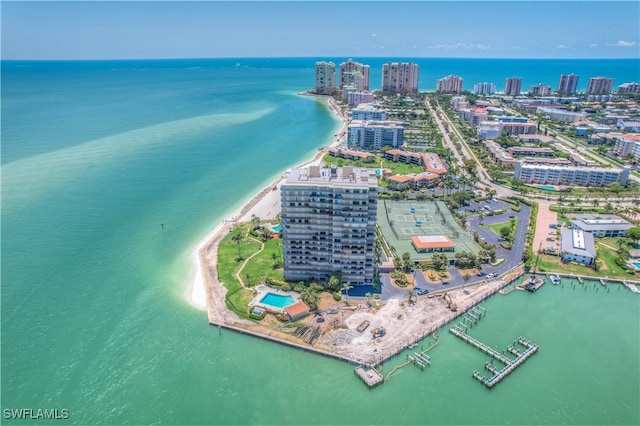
x=555 y=280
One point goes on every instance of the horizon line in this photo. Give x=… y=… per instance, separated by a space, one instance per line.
x=311 y=57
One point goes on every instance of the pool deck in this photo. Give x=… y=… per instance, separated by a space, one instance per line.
x=263 y=290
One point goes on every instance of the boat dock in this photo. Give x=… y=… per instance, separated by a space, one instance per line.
x=371 y=377
x=631 y=287
x=521 y=355
x=484 y=348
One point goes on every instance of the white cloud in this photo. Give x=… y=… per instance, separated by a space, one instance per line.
x=561 y=46
x=623 y=43
x=593 y=45
x=374 y=35
x=462 y=46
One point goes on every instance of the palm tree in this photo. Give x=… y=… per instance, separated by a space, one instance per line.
x=238 y=238
x=411 y=294
x=275 y=257
x=346 y=287
x=255 y=221
x=466 y=277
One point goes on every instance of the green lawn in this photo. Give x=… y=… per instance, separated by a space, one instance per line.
x=261 y=266
x=397 y=167
x=607 y=248
x=497 y=226
x=229 y=263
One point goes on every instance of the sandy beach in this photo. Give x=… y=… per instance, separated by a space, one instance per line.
x=265 y=205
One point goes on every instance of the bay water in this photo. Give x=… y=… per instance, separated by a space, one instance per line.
x=113 y=171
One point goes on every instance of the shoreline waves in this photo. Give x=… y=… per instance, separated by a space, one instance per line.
x=265 y=205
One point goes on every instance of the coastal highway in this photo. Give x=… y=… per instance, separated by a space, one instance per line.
x=483 y=175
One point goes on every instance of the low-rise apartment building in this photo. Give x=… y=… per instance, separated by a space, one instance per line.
x=580 y=176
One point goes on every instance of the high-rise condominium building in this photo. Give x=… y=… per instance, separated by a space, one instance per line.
x=629 y=88
x=484 y=89
x=400 y=77
x=449 y=84
x=328 y=224
x=568 y=83
x=374 y=135
x=599 y=86
x=540 y=90
x=357 y=72
x=325 y=78
x=512 y=86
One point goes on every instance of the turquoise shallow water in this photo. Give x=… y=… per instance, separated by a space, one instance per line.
x=97 y=155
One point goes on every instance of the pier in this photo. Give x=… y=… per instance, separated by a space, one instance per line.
x=484 y=348
x=498 y=374
x=370 y=377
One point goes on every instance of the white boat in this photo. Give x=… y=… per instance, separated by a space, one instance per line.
x=555 y=280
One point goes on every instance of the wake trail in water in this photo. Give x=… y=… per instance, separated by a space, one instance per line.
x=26 y=179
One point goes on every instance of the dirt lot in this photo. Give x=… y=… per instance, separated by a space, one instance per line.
x=403 y=322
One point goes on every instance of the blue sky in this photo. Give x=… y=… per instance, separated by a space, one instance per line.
x=166 y=29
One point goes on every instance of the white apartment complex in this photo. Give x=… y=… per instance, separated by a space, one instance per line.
x=328 y=224
x=373 y=135
x=400 y=77
x=580 y=176
x=325 y=78
x=449 y=84
x=561 y=114
x=484 y=89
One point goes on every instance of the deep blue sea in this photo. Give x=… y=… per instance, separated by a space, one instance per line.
x=113 y=171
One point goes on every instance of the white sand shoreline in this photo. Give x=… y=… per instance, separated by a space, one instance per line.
x=265 y=205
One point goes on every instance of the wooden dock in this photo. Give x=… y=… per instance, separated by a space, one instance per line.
x=484 y=348
x=509 y=364
x=633 y=288
x=371 y=377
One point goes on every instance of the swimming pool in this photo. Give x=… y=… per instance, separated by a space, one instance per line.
x=637 y=265
x=547 y=187
x=277 y=300
x=277 y=228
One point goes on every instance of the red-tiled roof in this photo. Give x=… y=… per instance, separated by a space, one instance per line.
x=400 y=178
x=432 y=241
x=297 y=309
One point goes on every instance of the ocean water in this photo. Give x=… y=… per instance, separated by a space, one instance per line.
x=113 y=171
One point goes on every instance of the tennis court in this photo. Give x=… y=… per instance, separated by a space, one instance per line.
x=401 y=220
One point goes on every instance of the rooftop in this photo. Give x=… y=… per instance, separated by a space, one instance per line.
x=432 y=241
x=334 y=176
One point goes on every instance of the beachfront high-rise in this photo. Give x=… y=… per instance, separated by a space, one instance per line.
x=484 y=88
x=599 y=86
x=568 y=84
x=328 y=224
x=540 y=90
x=449 y=84
x=325 y=78
x=512 y=86
x=354 y=73
x=400 y=77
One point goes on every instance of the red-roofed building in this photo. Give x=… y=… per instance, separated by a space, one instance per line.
x=296 y=311
x=432 y=243
x=432 y=163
